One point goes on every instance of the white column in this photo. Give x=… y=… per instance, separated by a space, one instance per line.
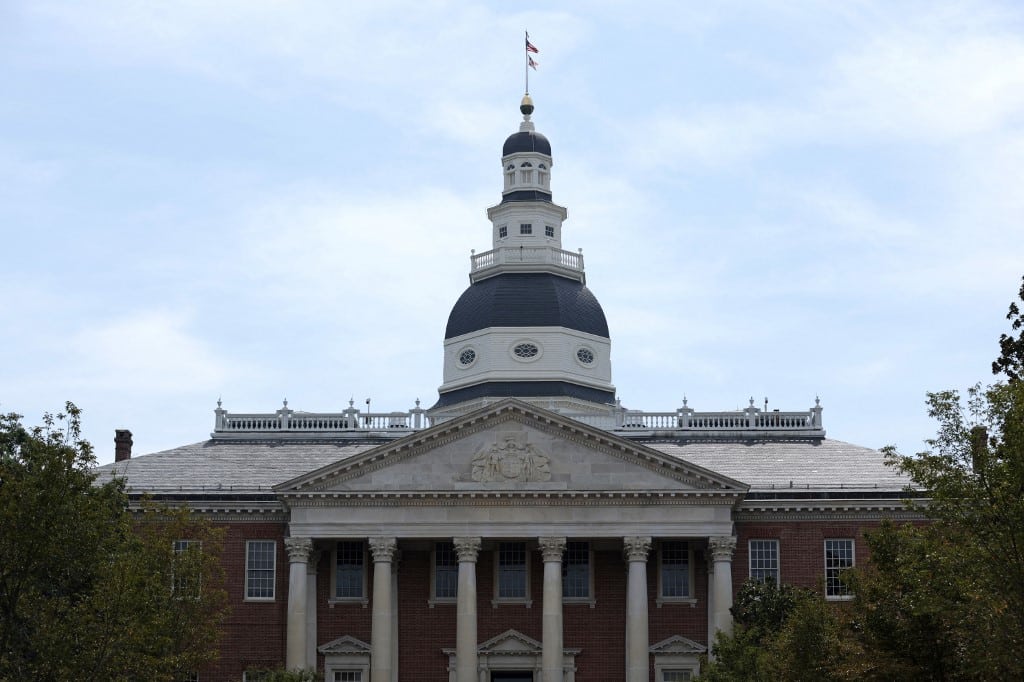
x=394 y=619
x=637 y=644
x=314 y=561
x=465 y=627
x=383 y=550
x=721 y=549
x=299 y=551
x=551 y=657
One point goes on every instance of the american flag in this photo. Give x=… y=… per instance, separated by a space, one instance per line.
x=530 y=47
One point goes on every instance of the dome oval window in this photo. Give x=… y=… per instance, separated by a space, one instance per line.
x=467 y=356
x=526 y=351
x=585 y=356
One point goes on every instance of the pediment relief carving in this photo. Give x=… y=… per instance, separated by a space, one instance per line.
x=511 y=458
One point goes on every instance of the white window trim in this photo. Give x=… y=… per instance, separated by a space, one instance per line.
x=185 y=543
x=273 y=573
x=590 y=600
x=688 y=599
x=778 y=558
x=853 y=564
x=364 y=600
x=497 y=600
x=434 y=599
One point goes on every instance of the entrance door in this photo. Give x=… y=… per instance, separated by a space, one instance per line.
x=512 y=676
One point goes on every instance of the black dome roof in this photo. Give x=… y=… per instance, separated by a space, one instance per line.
x=526 y=141
x=534 y=299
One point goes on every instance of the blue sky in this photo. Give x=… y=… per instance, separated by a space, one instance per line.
x=260 y=200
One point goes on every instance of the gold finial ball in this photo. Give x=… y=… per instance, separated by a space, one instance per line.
x=526 y=106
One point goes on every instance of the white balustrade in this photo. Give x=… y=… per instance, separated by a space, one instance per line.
x=397 y=424
x=509 y=255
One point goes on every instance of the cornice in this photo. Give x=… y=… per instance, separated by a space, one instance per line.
x=513 y=498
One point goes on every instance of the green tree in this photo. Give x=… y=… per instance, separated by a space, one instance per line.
x=1011 y=356
x=779 y=632
x=945 y=601
x=87 y=590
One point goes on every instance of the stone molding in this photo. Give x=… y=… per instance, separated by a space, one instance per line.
x=636 y=547
x=383 y=549
x=722 y=547
x=551 y=549
x=514 y=498
x=299 y=550
x=468 y=549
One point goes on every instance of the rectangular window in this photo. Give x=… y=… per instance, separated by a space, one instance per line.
x=838 y=558
x=502 y=232
x=675 y=569
x=260 y=564
x=764 y=560
x=526 y=228
x=349 y=571
x=549 y=231
x=181 y=584
x=576 y=571
x=446 y=571
x=347 y=676
x=677 y=676
x=512 y=570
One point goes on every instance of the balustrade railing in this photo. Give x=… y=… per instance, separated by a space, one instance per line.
x=394 y=424
x=512 y=255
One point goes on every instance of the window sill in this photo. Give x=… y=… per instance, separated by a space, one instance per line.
x=260 y=600
x=348 y=601
x=839 y=597
x=583 y=601
x=689 y=601
x=434 y=601
x=495 y=603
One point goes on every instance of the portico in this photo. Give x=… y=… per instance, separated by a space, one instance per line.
x=520 y=487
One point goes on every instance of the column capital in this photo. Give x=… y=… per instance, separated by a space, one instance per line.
x=314 y=560
x=551 y=548
x=467 y=548
x=383 y=549
x=722 y=547
x=636 y=547
x=299 y=549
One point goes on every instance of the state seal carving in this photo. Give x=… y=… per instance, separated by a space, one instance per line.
x=510 y=458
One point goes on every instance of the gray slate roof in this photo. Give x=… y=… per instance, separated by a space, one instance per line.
x=258 y=466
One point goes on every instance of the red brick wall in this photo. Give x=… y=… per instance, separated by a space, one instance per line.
x=801 y=548
x=255 y=634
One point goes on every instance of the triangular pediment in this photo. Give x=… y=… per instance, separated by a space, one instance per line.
x=677 y=644
x=511 y=447
x=511 y=642
x=343 y=646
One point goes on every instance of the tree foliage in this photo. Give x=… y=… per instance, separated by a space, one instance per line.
x=949 y=596
x=87 y=591
x=1011 y=348
x=780 y=633
x=938 y=600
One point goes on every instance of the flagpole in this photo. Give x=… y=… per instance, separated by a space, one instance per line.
x=526 y=61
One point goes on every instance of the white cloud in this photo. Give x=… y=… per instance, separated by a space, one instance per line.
x=148 y=351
